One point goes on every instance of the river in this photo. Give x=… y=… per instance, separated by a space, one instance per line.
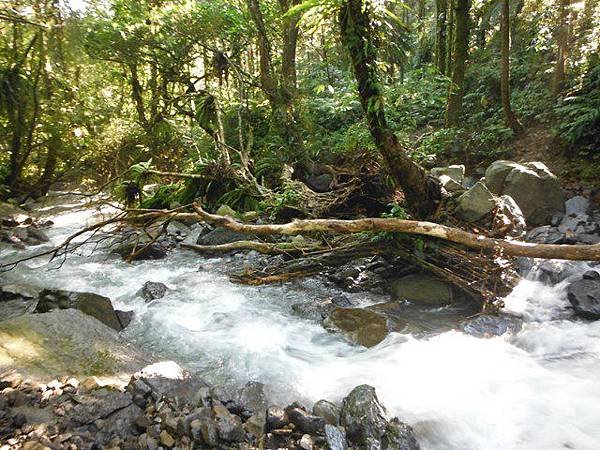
x=537 y=389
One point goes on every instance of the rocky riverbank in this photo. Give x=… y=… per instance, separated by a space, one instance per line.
x=162 y=406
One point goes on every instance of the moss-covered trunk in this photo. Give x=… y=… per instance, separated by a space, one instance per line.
x=461 y=43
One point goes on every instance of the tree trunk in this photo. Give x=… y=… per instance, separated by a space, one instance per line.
x=450 y=40
x=441 y=10
x=461 y=45
x=509 y=116
x=562 y=38
x=420 y=191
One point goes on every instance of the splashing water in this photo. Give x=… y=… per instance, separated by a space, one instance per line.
x=537 y=389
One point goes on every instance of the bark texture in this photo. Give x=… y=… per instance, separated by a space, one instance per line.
x=461 y=44
x=509 y=116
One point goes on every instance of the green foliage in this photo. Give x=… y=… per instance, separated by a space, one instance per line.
x=164 y=196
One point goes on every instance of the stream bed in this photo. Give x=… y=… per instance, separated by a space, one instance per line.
x=536 y=389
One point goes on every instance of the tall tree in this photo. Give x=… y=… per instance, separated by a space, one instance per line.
x=509 y=115
x=441 y=12
x=562 y=39
x=461 y=47
x=357 y=35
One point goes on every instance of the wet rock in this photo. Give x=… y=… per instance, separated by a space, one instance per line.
x=304 y=421
x=584 y=295
x=142 y=251
x=475 y=203
x=166 y=439
x=255 y=425
x=363 y=326
x=125 y=317
x=509 y=219
x=328 y=411
x=367 y=426
x=335 y=438
x=423 y=289
x=591 y=275
x=94 y=305
x=229 y=426
x=316 y=311
x=487 y=325
x=204 y=430
x=533 y=187
x=253 y=398
x=152 y=290
x=276 y=418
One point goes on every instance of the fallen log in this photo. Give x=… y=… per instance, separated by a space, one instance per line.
x=280 y=248
x=474 y=241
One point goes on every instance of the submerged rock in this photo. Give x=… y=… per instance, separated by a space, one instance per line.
x=367 y=426
x=423 y=289
x=487 y=325
x=363 y=326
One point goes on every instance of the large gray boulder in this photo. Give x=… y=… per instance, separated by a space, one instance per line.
x=367 y=425
x=363 y=326
x=533 y=187
x=475 y=203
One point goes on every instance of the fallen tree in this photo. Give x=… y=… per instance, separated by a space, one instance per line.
x=456 y=235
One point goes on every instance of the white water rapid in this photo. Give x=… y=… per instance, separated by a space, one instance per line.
x=538 y=389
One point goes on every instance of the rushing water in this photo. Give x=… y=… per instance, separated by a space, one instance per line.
x=538 y=389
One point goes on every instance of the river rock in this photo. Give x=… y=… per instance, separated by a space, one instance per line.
x=584 y=295
x=229 y=426
x=320 y=183
x=367 y=426
x=335 y=438
x=455 y=172
x=487 y=325
x=252 y=397
x=591 y=275
x=545 y=234
x=363 y=326
x=94 y=305
x=152 y=290
x=304 y=421
x=328 y=411
x=422 y=289
x=449 y=184
x=475 y=203
x=276 y=418
x=533 y=187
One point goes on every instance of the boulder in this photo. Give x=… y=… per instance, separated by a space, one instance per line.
x=367 y=425
x=66 y=341
x=533 y=187
x=455 y=172
x=362 y=326
x=584 y=295
x=152 y=290
x=449 y=184
x=487 y=325
x=546 y=234
x=509 y=219
x=229 y=426
x=94 y=305
x=496 y=173
x=276 y=418
x=422 y=288
x=475 y=203
x=142 y=251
